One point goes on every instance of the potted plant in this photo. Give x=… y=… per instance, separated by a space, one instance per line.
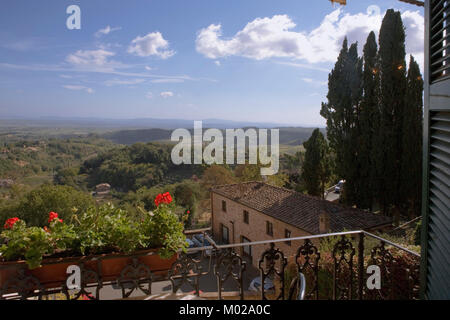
x=103 y=239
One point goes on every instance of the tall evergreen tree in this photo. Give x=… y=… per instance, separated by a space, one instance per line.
x=392 y=104
x=341 y=113
x=411 y=170
x=316 y=168
x=368 y=124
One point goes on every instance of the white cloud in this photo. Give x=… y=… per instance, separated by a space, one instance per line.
x=275 y=37
x=91 y=58
x=168 y=80
x=166 y=94
x=78 y=88
x=217 y=62
x=110 y=67
x=414 y=24
x=114 y=82
x=149 y=95
x=315 y=82
x=106 y=30
x=148 y=68
x=303 y=66
x=153 y=44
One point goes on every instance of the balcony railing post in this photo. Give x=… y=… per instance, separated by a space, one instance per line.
x=361 y=266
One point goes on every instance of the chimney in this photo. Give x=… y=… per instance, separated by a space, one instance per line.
x=324 y=222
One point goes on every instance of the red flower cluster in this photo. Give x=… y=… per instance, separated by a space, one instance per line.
x=10 y=222
x=188 y=212
x=52 y=216
x=163 y=198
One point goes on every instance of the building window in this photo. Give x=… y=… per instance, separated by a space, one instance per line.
x=224 y=206
x=287 y=234
x=269 y=228
x=247 y=249
x=225 y=235
x=246 y=216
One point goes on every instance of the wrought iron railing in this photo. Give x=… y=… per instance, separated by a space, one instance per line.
x=337 y=273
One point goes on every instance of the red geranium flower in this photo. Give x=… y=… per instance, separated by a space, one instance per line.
x=188 y=212
x=52 y=216
x=10 y=222
x=163 y=198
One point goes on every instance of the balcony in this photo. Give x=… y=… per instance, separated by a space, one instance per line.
x=328 y=266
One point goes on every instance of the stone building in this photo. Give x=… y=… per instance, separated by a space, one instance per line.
x=256 y=211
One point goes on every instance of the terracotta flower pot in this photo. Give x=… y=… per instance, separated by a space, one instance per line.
x=53 y=272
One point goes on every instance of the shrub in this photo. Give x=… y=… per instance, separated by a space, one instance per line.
x=65 y=200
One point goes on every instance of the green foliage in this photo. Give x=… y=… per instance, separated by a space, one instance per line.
x=368 y=126
x=107 y=228
x=344 y=98
x=411 y=165
x=132 y=167
x=186 y=195
x=25 y=158
x=316 y=169
x=393 y=86
x=96 y=230
x=30 y=243
x=164 y=230
x=216 y=175
x=70 y=177
x=35 y=205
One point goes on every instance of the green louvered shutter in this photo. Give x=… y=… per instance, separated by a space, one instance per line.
x=435 y=269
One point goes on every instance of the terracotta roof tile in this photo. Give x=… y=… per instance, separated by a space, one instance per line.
x=297 y=209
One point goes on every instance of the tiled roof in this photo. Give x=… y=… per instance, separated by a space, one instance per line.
x=297 y=209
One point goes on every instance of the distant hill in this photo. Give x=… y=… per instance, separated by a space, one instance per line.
x=291 y=136
x=139 y=123
x=130 y=131
x=130 y=137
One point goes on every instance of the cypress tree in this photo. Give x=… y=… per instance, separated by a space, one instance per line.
x=341 y=113
x=392 y=104
x=316 y=168
x=333 y=110
x=368 y=124
x=411 y=170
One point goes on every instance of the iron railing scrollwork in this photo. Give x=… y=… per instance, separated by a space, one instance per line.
x=272 y=264
x=186 y=270
x=307 y=260
x=135 y=276
x=343 y=273
x=230 y=265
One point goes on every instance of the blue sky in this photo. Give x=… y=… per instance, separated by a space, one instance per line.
x=253 y=60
